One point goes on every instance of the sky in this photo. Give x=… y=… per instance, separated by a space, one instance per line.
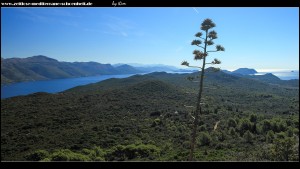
x=260 y=38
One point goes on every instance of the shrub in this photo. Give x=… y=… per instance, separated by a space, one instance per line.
x=270 y=136
x=231 y=123
x=203 y=128
x=37 y=155
x=204 y=138
x=132 y=151
x=253 y=118
x=245 y=125
x=266 y=125
x=248 y=137
x=232 y=131
x=68 y=155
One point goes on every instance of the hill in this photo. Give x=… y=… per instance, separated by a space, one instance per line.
x=44 y=68
x=245 y=71
x=132 y=118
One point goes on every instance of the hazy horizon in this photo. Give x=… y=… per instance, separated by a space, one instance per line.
x=259 y=38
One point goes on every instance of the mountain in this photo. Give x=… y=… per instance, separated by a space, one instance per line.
x=150 y=67
x=128 y=69
x=44 y=68
x=268 y=77
x=129 y=118
x=245 y=71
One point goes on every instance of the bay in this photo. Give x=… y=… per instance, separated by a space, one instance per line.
x=52 y=86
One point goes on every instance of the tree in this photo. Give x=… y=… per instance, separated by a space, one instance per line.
x=206 y=25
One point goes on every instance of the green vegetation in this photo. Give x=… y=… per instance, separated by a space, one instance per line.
x=143 y=118
x=116 y=153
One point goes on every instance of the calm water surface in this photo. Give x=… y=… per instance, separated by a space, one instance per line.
x=52 y=86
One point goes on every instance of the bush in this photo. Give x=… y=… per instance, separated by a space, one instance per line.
x=203 y=128
x=245 y=125
x=266 y=126
x=290 y=132
x=90 y=153
x=132 y=151
x=280 y=135
x=156 y=122
x=205 y=139
x=248 y=137
x=37 y=155
x=232 y=131
x=68 y=155
x=270 y=136
x=231 y=123
x=100 y=153
x=253 y=118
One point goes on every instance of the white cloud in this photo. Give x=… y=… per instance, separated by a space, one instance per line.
x=196 y=10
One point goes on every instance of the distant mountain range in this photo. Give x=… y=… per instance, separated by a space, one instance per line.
x=267 y=78
x=44 y=68
x=151 y=67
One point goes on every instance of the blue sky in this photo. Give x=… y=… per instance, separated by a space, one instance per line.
x=260 y=38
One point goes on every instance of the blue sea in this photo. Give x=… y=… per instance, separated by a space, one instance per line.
x=58 y=85
x=51 y=86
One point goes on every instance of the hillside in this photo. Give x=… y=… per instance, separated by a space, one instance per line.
x=144 y=117
x=44 y=68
